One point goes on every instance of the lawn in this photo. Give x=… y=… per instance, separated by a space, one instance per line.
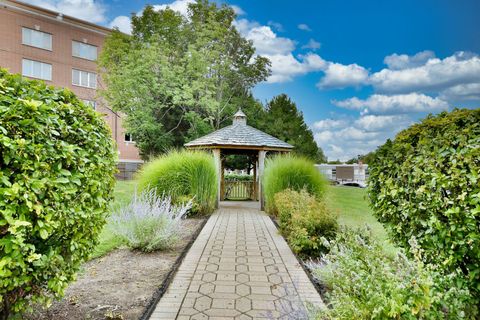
x=351 y=205
x=124 y=191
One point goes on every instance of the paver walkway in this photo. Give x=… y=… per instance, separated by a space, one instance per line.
x=239 y=267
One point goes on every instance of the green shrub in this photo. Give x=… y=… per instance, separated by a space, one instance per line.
x=426 y=185
x=238 y=177
x=291 y=172
x=57 y=164
x=304 y=221
x=183 y=173
x=363 y=282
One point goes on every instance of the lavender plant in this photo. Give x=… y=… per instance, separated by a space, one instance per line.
x=149 y=222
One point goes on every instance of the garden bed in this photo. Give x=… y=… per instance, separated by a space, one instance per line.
x=121 y=284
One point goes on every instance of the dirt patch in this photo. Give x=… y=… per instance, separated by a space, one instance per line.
x=118 y=285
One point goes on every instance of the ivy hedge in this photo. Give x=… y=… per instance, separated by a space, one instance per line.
x=57 y=164
x=425 y=186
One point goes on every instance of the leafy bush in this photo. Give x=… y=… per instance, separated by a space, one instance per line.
x=291 y=172
x=304 y=221
x=57 y=164
x=426 y=185
x=238 y=177
x=363 y=282
x=183 y=173
x=149 y=223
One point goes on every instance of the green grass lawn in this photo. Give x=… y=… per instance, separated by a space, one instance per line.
x=351 y=205
x=124 y=191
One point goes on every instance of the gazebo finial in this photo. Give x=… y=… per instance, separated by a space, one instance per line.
x=239 y=117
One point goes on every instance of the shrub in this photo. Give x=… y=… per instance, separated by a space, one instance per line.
x=183 y=173
x=426 y=185
x=238 y=177
x=57 y=164
x=363 y=282
x=291 y=172
x=149 y=223
x=304 y=221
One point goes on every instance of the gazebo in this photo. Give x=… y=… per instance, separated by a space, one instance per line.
x=240 y=139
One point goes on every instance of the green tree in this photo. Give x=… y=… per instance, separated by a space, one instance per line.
x=178 y=78
x=284 y=121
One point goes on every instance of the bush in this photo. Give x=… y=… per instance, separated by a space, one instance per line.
x=183 y=175
x=363 y=282
x=149 y=223
x=304 y=221
x=426 y=185
x=238 y=177
x=291 y=172
x=57 y=164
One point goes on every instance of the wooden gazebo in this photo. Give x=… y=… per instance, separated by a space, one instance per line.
x=240 y=138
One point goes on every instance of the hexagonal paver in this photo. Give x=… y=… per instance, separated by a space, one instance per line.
x=243 y=304
x=203 y=303
x=242 y=289
x=242 y=277
x=206 y=288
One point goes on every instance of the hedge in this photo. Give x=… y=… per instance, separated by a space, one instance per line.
x=425 y=185
x=57 y=164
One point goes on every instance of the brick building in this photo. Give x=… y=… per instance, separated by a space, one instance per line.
x=62 y=51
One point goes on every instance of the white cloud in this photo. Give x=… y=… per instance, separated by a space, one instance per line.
x=276 y=25
x=329 y=124
x=88 y=10
x=238 y=11
x=323 y=137
x=304 y=27
x=403 y=61
x=181 y=6
x=380 y=123
x=339 y=76
x=434 y=75
x=462 y=92
x=402 y=103
x=286 y=66
x=312 y=44
x=123 y=23
x=267 y=42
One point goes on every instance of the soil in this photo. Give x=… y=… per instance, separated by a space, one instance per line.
x=118 y=286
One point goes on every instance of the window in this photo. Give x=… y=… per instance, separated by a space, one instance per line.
x=90 y=103
x=83 y=50
x=37 y=39
x=84 y=78
x=36 y=69
x=128 y=137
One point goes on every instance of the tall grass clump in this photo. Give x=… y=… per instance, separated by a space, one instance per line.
x=149 y=222
x=291 y=172
x=183 y=175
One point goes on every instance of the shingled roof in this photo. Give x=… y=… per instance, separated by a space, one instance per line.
x=239 y=134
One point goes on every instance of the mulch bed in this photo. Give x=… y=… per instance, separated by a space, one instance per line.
x=121 y=285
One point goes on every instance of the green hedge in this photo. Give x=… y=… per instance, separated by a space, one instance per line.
x=291 y=172
x=426 y=185
x=57 y=164
x=305 y=222
x=183 y=175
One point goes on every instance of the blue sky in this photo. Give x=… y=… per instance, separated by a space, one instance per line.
x=360 y=71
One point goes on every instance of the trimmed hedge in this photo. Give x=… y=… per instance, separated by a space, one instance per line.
x=426 y=185
x=57 y=165
x=305 y=222
x=291 y=172
x=183 y=175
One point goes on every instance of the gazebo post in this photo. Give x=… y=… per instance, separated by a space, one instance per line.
x=261 y=167
x=218 y=167
x=255 y=182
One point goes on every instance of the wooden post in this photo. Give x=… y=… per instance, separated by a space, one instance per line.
x=261 y=167
x=222 y=178
x=218 y=166
x=255 y=181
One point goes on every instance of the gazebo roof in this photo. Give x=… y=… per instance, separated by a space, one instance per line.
x=239 y=135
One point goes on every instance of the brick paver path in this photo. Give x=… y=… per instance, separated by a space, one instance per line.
x=239 y=267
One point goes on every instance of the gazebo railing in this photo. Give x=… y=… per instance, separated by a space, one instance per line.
x=239 y=190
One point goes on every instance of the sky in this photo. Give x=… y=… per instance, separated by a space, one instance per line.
x=360 y=71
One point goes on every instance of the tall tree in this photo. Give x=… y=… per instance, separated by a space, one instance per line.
x=177 y=77
x=284 y=121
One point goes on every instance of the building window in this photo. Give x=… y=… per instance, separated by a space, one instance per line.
x=84 y=51
x=90 y=103
x=84 y=78
x=36 y=39
x=128 y=138
x=36 y=69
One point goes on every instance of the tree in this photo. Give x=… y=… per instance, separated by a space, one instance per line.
x=177 y=78
x=284 y=121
